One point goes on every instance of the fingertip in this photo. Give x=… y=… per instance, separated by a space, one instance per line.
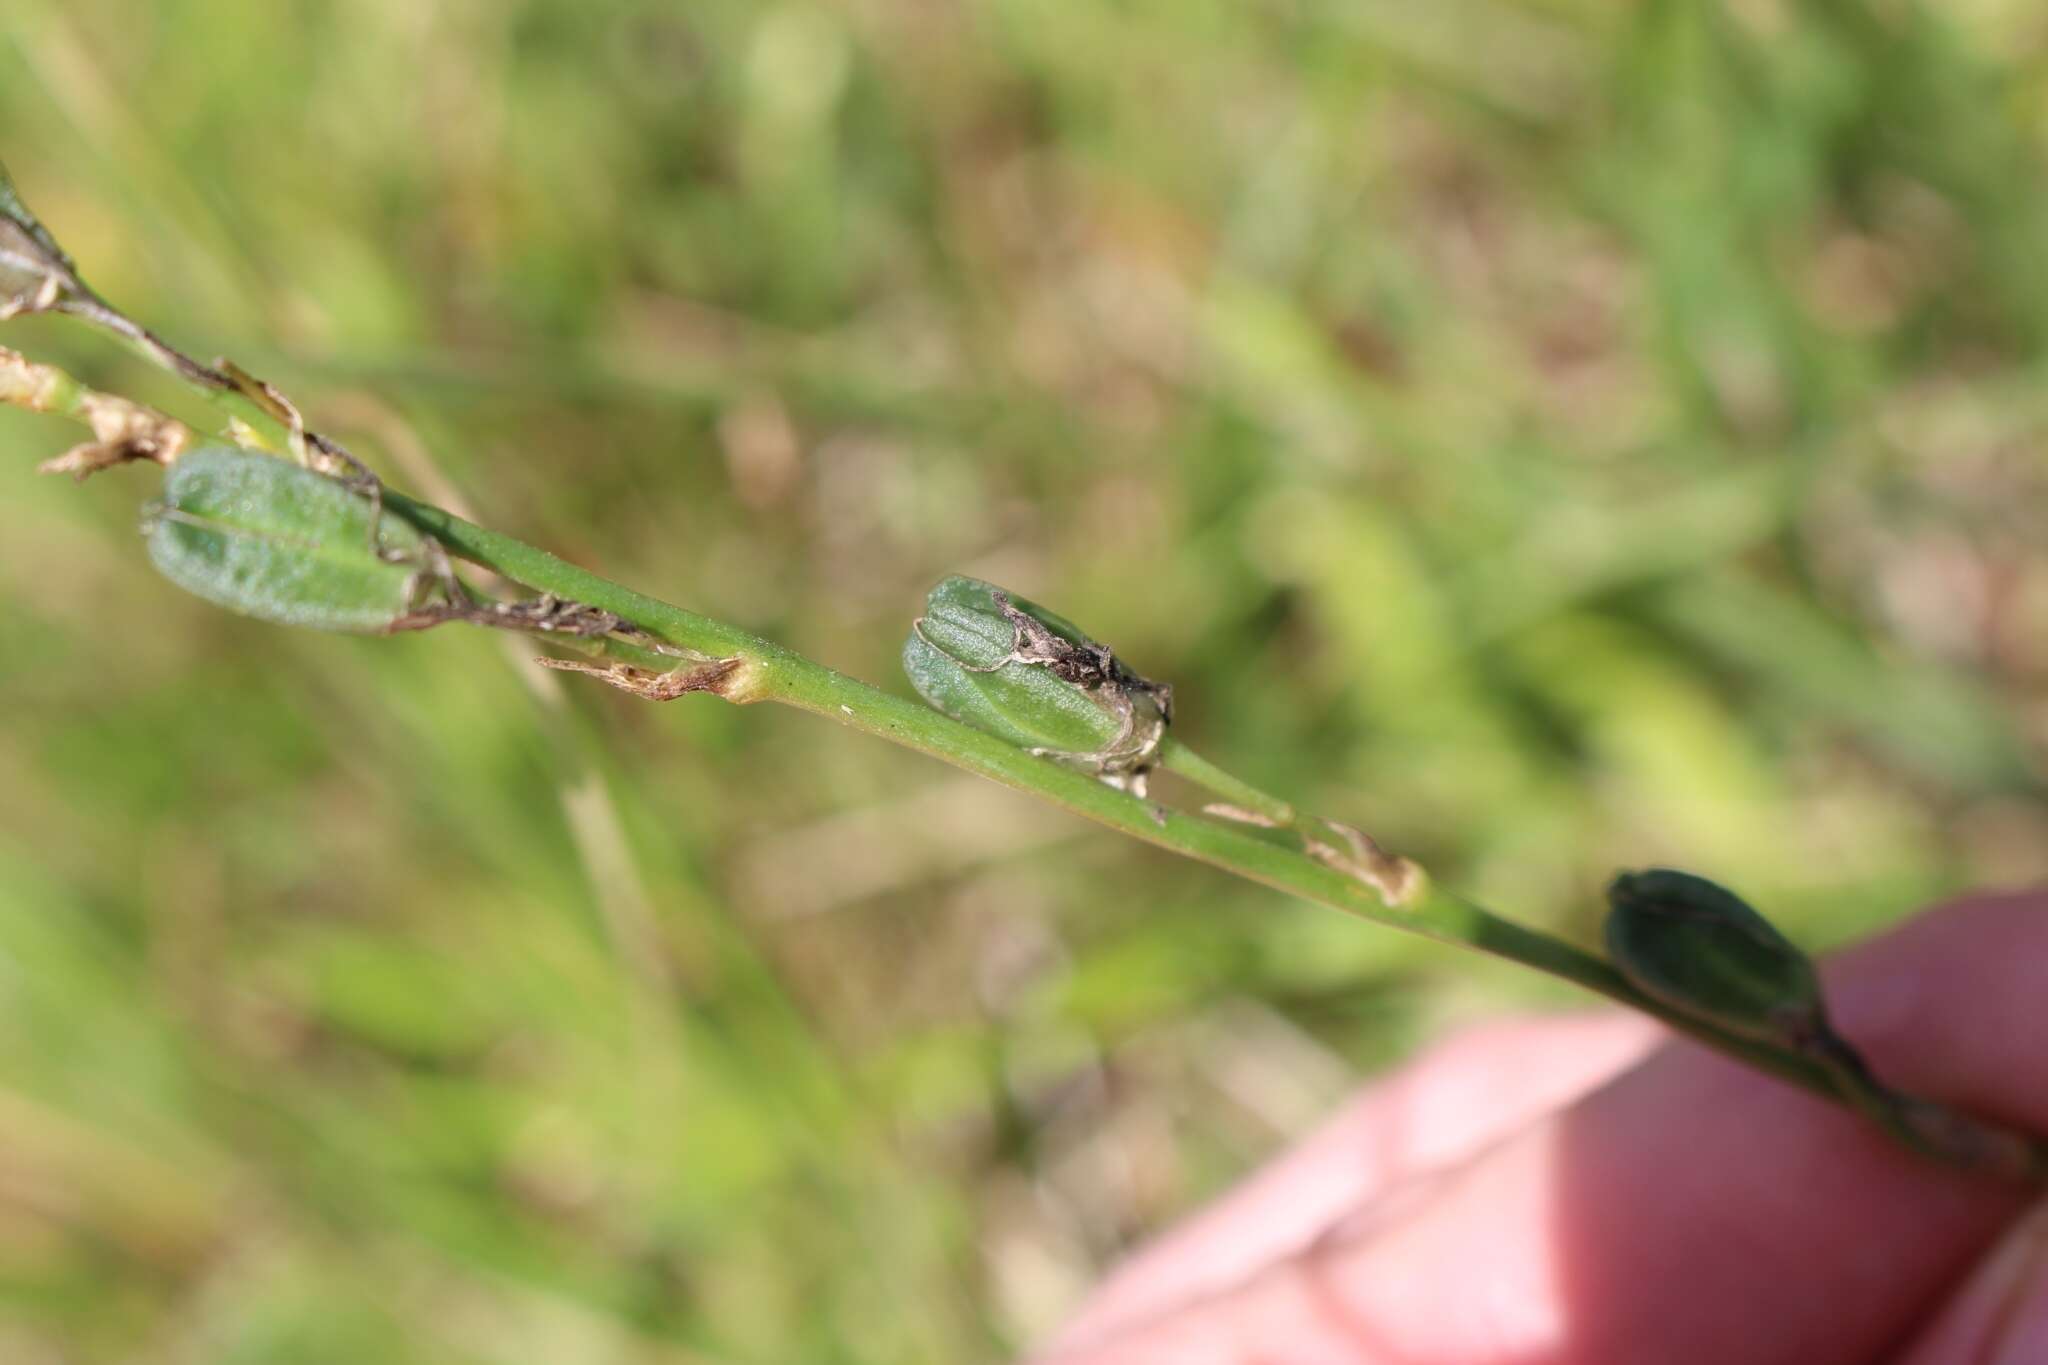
x=1694 y=1210
x=1441 y=1108
x=1951 y=1004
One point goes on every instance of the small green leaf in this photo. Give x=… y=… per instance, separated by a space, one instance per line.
x=1699 y=948
x=267 y=538
x=1010 y=668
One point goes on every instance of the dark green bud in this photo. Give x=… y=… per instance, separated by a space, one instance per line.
x=271 y=539
x=1011 y=668
x=1699 y=948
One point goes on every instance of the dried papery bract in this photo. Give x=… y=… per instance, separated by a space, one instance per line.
x=727 y=678
x=1010 y=668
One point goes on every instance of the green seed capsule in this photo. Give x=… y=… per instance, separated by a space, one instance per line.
x=1702 y=950
x=267 y=538
x=1011 y=668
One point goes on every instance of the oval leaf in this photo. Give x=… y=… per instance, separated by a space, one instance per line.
x=267 y=538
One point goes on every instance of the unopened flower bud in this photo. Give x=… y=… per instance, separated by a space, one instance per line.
x=1700 y=949
x=1011 y=668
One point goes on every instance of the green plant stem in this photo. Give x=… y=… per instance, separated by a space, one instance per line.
x=1177 y=757
x=1258 y=850
x=778 y=674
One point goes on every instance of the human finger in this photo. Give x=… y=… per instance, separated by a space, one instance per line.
x=1691 y=1211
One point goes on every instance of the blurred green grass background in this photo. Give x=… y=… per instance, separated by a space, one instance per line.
x=1553 y=434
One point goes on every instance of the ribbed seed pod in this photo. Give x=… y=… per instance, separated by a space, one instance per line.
x=1009 y=667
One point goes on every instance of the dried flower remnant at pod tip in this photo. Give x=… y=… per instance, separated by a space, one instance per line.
x=1012 y=669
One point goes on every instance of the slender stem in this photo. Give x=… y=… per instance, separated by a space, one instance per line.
x=771 y=672
x=1244 y=848
x=1279 y=847
x=782 y=675
x=1177 y=757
